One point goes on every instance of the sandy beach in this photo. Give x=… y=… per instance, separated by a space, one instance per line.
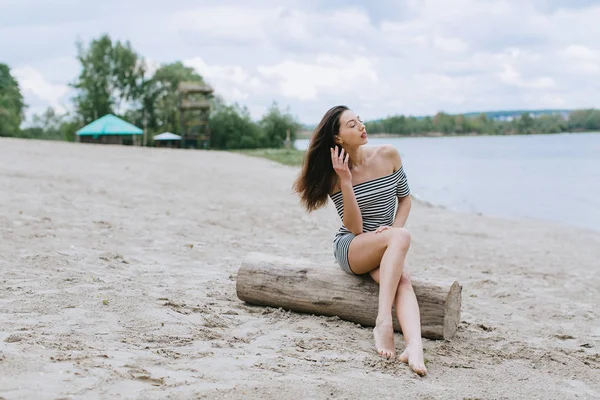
x=118 y=268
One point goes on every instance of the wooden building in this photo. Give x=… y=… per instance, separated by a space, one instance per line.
x=194 y=111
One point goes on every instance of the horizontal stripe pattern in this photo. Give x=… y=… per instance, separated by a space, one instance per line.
x=340 y=251
x=377 y=203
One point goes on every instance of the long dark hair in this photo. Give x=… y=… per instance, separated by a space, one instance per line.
x=317 y=177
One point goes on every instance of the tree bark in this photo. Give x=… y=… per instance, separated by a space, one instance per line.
x=302 y=286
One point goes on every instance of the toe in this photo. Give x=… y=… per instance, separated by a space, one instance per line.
x=403 y=357
x=420 y=369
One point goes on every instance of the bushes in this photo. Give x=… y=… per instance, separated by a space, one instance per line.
x=232 y=127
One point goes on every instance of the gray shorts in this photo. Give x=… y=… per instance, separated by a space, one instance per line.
x=341 y=245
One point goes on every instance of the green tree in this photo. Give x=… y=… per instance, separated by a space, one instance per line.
x=584 y=120
x=52 y=126
x=443 y=122
x=524 y=124
x=12 y=105
x=373 y=127
x=45 y=126
x=232 y=128
x=462 y=124
x=158 y=108
x=592 y=122
x=162 y=96
x=549 y=124
x=276 y=125
x=112 y=76
x=423 y=125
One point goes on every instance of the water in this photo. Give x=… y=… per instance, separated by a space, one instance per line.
x=549 y=177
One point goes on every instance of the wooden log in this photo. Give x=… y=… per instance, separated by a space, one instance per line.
x=302 y=286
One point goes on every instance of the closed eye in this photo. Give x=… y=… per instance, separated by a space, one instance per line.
x=354 y=122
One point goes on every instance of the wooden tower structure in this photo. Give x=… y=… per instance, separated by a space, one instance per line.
x=194 y=111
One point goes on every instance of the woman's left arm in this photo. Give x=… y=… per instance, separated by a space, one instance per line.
x=402 y=191
x=404 y=204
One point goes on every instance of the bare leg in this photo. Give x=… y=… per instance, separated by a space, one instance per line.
x=407 y=311
x=387 y=250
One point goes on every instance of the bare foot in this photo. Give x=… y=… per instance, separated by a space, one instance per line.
x=384 y=338
x=413 y=356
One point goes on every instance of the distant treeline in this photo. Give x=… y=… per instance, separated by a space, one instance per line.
x=115 y=79
x=442 y=123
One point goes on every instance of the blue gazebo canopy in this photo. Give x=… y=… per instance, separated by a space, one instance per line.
x=109 y=125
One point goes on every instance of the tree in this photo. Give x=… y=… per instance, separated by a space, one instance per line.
x=12 y=105
x=276 y=125
x=373 y=127
x=158 y=108
x=52 y=126
x=443 y=122
x=549 y=124
x=584 y=120
x=462 y=124
x=112 y=75
x=232 y=128
x=162 y=94
x=524 y=124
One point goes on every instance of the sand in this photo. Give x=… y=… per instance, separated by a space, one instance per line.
x=118 y=268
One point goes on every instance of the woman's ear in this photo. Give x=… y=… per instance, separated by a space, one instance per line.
x=337 y=139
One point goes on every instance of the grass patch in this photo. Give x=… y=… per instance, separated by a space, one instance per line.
x=291 y=157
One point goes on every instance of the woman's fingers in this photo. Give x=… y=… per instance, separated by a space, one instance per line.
x=339 y=158
x=334 y=158
x=381 y=229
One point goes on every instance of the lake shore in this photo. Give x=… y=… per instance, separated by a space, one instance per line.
x=118 y=280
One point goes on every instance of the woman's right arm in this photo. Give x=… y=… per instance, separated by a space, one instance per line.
x=352 y=216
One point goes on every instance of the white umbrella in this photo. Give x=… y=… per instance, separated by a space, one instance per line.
x=167 y=136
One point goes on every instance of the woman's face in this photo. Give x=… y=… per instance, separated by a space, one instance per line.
x=352 y=130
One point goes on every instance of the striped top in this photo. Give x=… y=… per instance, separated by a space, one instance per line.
x=376 y=200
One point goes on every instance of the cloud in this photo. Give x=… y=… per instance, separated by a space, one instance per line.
x=234 y=25
x=231 y=81
x=286 y=30
x=33 y=84
x=305 y=81
x=411 y=57
x=512 y=76
x=551 y=6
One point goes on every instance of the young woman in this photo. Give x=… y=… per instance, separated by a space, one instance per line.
x=365 y=184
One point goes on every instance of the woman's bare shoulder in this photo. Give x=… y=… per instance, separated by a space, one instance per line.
x=389 y=154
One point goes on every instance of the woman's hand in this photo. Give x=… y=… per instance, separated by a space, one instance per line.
x=382 y=228
x=340 y=164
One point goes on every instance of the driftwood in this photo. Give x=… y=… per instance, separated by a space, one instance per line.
x=302 y=286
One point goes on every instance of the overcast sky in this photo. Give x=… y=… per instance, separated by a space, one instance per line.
x=380 y=58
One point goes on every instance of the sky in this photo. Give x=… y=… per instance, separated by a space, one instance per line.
x=380 y=58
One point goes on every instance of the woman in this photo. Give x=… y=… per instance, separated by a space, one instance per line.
x=364 y=184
